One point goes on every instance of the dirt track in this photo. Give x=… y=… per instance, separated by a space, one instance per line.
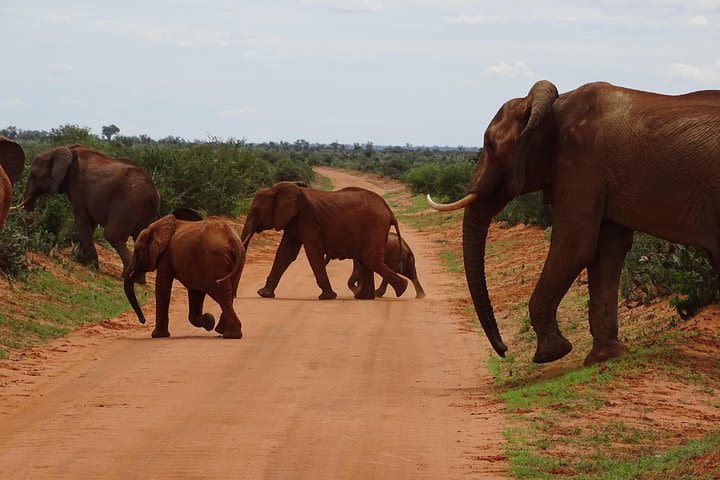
x=390 y=388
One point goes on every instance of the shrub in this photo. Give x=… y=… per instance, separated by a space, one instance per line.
x=655 y=268
x=527 y=209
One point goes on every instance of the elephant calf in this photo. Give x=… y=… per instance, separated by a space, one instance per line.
x=400 y=258
x=206 y=256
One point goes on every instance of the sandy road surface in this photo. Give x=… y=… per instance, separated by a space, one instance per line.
x=341 y=389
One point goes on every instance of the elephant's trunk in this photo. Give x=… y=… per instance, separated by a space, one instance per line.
x=247 y=232
x=475 y=229
x=129 y=283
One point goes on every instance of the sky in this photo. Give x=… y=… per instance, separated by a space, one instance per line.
x=390 y=72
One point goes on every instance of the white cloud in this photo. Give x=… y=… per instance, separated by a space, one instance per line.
x=366 y=6
x=168 y=34
x=517 y=69
x=685 y=71
x=13 y=102
x=247 y=55
x=235 y=112
x=474 y=19
x=61 y=67
x=699 y=21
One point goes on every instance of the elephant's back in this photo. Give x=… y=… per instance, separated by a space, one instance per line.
x=201 y=252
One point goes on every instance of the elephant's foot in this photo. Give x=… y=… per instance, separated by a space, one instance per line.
x=265 y=292
x=401 y=287
x=379 y=292
x=206 y=321
x=232 y=333
x=420 y=294
x=551 y=347
x=365 y=295
x=327 y=295
x=158 y=333
x=605 y=351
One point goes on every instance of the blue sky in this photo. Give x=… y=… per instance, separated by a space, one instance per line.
x=424 y=72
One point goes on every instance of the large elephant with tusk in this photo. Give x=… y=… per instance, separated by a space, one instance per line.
x=611 y=161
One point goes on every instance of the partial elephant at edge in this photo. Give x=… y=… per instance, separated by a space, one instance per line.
x=12 y=161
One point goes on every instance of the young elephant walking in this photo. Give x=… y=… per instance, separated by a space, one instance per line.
x=400 y=258
x=348 y=223
x=206 y=256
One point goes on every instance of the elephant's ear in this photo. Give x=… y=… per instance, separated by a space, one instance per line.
x=162 y=232
x=59 y=161
x=12 y=158
x=287 y=198
x=539 y=101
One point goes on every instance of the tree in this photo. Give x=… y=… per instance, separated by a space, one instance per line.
x=10 y=132
x=109 y=130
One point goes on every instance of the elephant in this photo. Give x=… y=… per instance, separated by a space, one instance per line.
x=116 y=193
x=349 y=223
x=400 y=258
x=12 y=161
x=206 y=256
x=611 y=161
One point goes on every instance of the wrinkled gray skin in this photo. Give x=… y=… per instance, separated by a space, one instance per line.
x=400 y=258
x=116 y=193
x=611 y=161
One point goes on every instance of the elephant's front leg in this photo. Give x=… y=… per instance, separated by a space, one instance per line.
x=367 y=283
x=573 y=244
x=286 y=253
x=316 y=257
x=86 y=229
x=603 y=279
x=163 y=289
x=196 y=298
x=354 y=280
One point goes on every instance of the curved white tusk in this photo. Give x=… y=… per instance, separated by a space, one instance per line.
x=448 y=207
x=21 y=204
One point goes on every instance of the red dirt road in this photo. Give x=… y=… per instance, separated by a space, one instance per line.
x=342 y=389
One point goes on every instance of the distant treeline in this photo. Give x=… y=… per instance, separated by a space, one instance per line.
x=221 y=176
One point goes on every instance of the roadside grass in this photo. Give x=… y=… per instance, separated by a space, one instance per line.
x=324 y=183
x=58 y=298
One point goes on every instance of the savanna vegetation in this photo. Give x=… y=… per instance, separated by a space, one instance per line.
x=220 y=177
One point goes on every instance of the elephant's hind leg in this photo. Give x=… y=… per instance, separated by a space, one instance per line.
x=229 y=325
x=366 y=283
x=603 y=279
x=398 y=283
x=197 y=318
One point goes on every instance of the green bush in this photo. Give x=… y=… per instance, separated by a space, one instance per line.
x=655 y=268
x=446 y=182
x=528 y=209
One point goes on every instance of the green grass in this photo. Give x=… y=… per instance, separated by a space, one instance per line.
x=325 y=183
x=452 y=262
x=53 y=307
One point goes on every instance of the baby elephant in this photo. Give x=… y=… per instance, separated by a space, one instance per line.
x=206 y=256
x=400 y=259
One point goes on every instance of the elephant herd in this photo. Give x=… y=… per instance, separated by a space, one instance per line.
x=610 y=160
x=207 y=255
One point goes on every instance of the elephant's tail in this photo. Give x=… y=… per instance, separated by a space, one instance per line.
x=400 y=240
x=239 y=250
